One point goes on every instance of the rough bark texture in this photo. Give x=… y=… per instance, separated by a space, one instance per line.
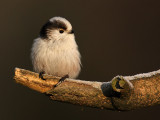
x=122 y=93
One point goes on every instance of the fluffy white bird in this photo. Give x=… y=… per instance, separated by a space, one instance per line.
x=55 y=51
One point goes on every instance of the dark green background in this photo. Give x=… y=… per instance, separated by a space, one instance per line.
x=115 y=37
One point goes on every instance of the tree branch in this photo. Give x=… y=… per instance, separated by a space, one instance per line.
x=121 y=93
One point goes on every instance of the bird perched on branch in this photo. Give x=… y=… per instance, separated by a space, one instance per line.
x=55 y=51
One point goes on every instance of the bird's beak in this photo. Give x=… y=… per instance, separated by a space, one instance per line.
x=71 y=32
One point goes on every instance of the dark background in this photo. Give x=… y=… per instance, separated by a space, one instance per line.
x=115 y=37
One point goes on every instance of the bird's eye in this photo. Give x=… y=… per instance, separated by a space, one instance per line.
x=61 y=31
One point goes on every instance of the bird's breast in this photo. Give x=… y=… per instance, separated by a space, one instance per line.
x=60 y=60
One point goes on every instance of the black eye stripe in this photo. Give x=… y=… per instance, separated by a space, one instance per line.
x=51 y=25
x=59 y=24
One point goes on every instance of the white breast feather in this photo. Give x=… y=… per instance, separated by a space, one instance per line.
x=56 y=58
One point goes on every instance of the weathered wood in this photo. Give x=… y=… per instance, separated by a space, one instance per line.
x=122 y=93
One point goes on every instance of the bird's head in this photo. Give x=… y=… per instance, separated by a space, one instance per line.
x=57 y=28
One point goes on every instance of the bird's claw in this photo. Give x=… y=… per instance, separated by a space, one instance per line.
x=41 y=75
x=61 y=80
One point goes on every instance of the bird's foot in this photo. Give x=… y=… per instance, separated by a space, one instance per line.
x=61 y=80
x=41 y=75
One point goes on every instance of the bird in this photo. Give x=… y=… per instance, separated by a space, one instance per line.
x=55 y=51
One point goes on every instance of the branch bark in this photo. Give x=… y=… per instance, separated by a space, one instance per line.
x=121 y=93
